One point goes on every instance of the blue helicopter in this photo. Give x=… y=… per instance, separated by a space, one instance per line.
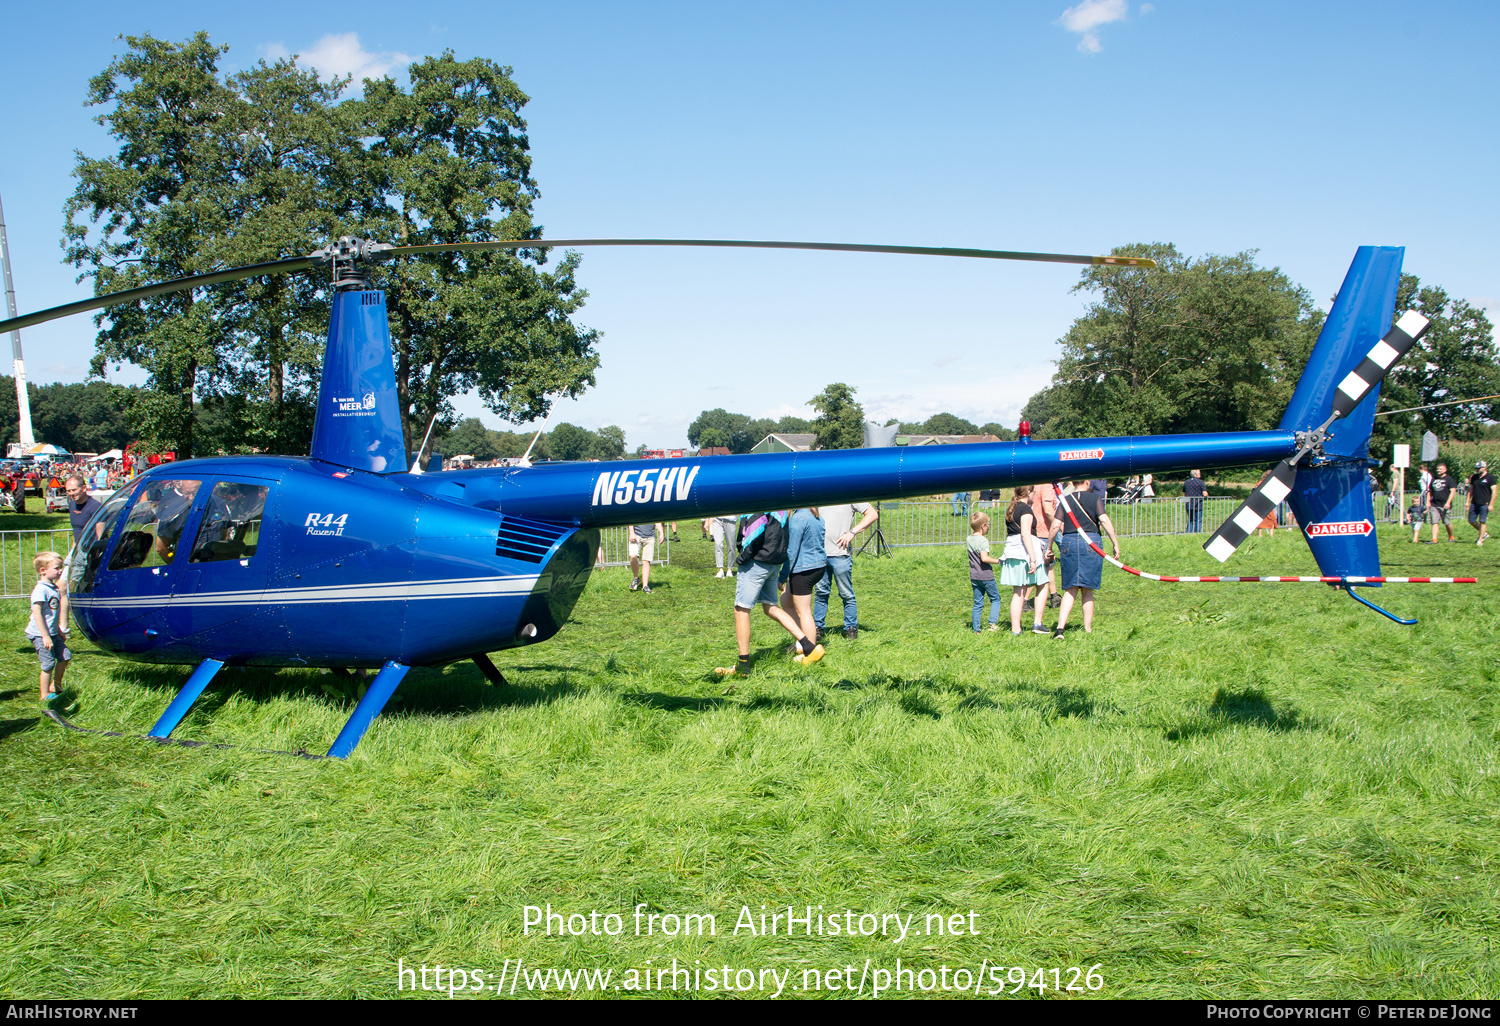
x=349 y=559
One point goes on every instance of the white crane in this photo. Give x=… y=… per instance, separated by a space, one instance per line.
x=22 y=400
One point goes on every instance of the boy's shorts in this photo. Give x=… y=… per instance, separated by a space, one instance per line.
x=49 y=658
x=756 y=583
x=644 y=548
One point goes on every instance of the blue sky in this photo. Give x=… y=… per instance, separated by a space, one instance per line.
x=1299 y=130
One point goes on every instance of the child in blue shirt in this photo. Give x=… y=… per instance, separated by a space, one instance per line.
x=48 y=627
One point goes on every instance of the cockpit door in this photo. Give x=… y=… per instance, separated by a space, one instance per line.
x=220 y=577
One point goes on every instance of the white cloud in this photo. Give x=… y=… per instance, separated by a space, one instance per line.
x=788 y=410
x=943 y=361
x=340 y=54
x=1086 y=17
x=981 y=400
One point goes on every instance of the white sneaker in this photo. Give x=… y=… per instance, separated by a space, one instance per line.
x=719 y=576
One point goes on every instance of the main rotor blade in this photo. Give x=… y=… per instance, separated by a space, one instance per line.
x=385 y=252
x=1252 y=512
x=146 y=291
x=841 y=247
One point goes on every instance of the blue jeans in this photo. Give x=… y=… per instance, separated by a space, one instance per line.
x=960 y=503
x=1195 y=517
x=981 y=589
x=841 y=571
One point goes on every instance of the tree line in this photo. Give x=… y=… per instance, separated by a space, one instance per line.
x=1217 y=343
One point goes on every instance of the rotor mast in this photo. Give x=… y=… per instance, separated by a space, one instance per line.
x=23 y=400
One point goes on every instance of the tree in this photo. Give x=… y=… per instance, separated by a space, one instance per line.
x=1214 y=344
x=948 y=424
x=449 y=159
x=1456 y=359
x=80 y=418
x=218 y=172
x=569 y=442
x=471 y=438
x=721 y=428
x=608 y=443
x=1000 y=431
x=155 y=206
x=291 y=161
x=841 y=421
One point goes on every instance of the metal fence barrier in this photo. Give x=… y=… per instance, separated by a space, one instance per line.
x=913 y=524
x=614 y=547
x=18 y=549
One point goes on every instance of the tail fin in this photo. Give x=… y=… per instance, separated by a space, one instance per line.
x=358 y=421
x=1332 y=497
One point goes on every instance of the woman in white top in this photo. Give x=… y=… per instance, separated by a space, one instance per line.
x=1022 y=563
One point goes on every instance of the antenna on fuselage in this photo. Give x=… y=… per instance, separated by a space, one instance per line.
x=416 y=464
x=526 y=457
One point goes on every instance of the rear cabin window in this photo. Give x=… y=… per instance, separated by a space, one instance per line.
x=231 y=525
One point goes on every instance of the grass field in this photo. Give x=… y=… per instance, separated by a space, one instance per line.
x=1231 y=791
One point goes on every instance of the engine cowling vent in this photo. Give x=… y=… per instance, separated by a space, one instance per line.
x=527 y=540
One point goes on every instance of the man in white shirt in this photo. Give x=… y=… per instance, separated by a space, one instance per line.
x=839 y=533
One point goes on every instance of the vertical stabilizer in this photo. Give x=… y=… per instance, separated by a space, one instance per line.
x=1360 y=316
x=1332 y=497
x=358 y=421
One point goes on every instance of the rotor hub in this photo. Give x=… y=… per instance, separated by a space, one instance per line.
x=347 y=257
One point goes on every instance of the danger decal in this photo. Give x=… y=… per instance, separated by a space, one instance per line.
x=1334 y=528
x=1081 y=454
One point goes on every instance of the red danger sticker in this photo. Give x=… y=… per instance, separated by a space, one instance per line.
x=1081 y=454
x=1336 y=527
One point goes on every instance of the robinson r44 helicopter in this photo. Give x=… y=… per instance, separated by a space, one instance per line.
x=348 y=558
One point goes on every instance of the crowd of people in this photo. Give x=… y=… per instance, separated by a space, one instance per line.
x=17 y=479
x=1433 y=502
x=790 y=563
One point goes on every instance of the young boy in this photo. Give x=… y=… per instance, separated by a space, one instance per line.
x=981 y=577
x=48 y=627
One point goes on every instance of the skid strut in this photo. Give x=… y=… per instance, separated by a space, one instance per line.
x=185 y=698
x=376 y=695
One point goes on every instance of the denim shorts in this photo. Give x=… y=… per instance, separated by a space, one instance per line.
x=49 y=659
x=756 y=583
x=1479 y=513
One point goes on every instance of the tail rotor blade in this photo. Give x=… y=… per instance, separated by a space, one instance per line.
x=1262 y=502
x=1378 y=362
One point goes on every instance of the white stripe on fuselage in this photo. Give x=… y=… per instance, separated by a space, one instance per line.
x=482 y=587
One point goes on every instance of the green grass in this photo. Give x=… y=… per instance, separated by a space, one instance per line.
x=1226 y=790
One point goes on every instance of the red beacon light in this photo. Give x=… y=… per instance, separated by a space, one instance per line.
x=1025 y=432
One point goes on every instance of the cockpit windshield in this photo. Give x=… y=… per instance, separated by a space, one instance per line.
x=96 y=535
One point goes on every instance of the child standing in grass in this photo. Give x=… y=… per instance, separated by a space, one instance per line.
x=981 y=577
x=48 y=627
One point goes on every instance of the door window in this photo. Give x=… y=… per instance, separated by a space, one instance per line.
x=154 y=528
x=231 y=526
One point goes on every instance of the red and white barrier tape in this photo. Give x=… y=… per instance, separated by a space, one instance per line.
x=1251 y=580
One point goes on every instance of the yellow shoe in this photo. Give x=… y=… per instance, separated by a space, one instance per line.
x=811 y=657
